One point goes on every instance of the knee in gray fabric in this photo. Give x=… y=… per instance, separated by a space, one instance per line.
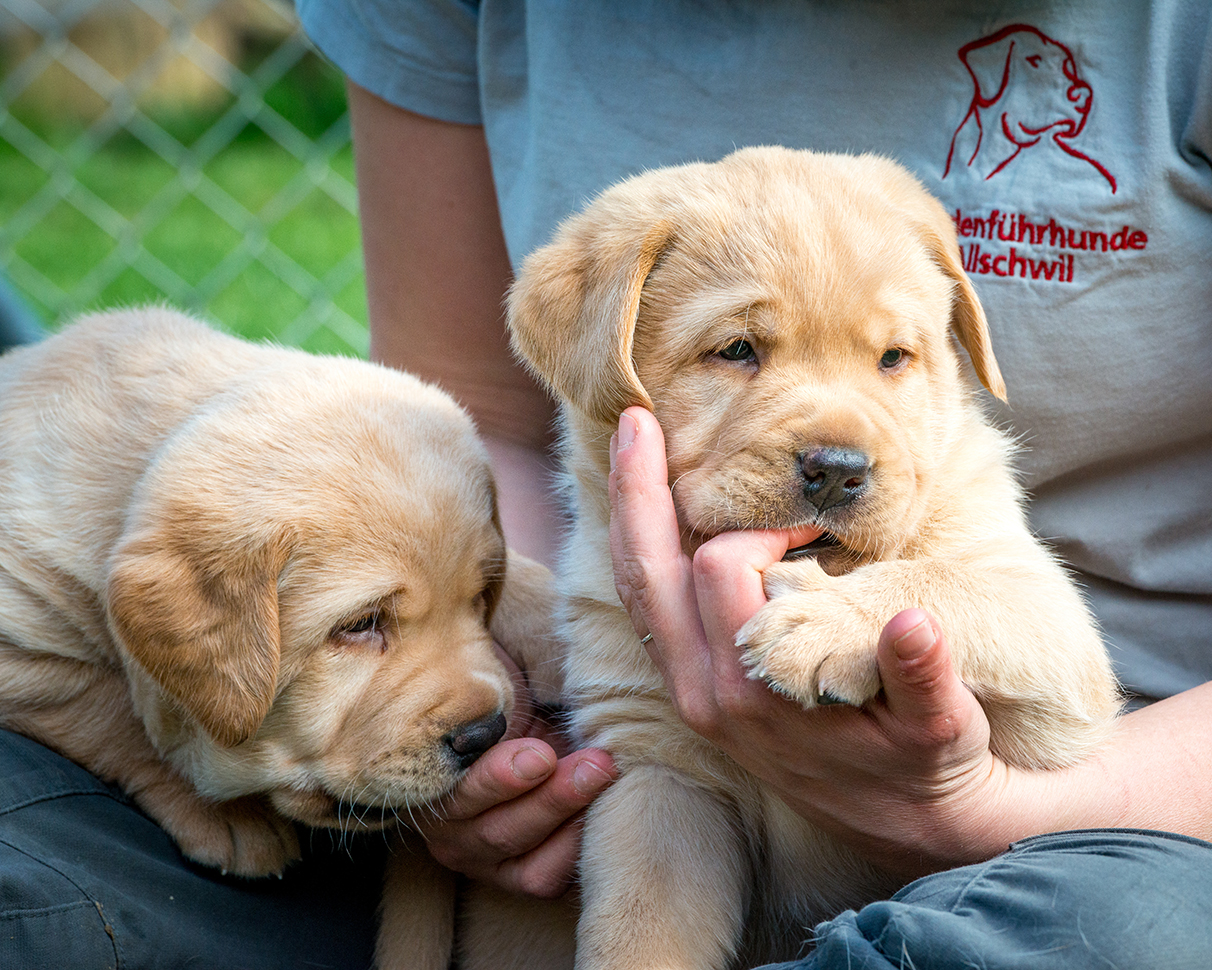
x=1068 y=901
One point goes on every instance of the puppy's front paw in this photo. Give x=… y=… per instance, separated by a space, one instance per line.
x=811 y=641
x=241 y=837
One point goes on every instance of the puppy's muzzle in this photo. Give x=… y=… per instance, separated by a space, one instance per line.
x=833 y=477
x=468 y=741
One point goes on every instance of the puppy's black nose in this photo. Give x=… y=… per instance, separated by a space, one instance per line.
x=833 y=476
x=469 y=741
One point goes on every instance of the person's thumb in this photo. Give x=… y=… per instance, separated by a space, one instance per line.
x=920 y=683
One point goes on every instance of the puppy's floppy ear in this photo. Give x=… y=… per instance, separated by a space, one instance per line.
x=967 y=315
x=197 y=608
x=572 y=312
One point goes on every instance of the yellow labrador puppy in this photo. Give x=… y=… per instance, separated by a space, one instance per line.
x=792 y=319
x=253 y=588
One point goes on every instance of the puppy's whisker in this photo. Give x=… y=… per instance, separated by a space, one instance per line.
x=412 y=818
x=388 y=810
x=674 y=484
x=438 y=810
x=365 y=803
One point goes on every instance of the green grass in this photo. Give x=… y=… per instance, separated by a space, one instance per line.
x=129 y=230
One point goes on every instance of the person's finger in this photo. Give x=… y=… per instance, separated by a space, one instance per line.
x=504 y=772
x=690 y=609
x=921 y=687
x=517 y=827
x=652 y=575
x=728 y=579
x=548 y=871
x=514 y=827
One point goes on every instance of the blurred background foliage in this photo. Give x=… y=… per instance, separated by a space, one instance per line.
x=190 y=152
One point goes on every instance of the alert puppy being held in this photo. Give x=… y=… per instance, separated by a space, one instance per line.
x=794 y=322
x=253 y=588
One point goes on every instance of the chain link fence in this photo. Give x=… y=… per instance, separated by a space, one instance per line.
x=189 y=151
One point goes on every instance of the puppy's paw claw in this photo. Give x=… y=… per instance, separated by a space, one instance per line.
x=848 y=679
x=762 y=674
x=827 y=699
x=242 y=837
x=810 y=656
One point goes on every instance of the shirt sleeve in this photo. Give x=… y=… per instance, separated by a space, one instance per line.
x=417 y=54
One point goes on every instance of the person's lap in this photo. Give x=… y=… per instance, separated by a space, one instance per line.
x=87 y=880
x=1069 y=901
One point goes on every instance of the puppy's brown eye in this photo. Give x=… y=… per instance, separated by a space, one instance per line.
x=738 y=350
x=891 y=358
x=364 y=631
x=366 y=624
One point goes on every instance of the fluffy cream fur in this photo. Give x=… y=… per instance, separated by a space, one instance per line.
x=842 y=276
x=253 y=588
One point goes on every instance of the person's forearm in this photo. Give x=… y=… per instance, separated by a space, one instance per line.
x=436 y=264
x=436 y=276
x=1155 y=772
x=527 y=497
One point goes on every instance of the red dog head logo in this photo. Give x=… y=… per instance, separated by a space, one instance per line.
x=1027 y=92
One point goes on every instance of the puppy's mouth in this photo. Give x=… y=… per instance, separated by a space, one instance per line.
x=823 y=542
x=352 y=816
x=805 y=539
x=319 y=809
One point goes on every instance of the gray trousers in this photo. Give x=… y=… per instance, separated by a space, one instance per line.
x=87 y=881
x=1111 y=899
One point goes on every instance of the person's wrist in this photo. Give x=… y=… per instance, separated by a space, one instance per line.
x=1007 y=805
x=983 y=822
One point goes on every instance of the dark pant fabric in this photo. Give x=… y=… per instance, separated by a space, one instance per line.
x=88 y=881
x=1102 y=899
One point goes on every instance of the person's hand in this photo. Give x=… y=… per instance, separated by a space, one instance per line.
x=908 y=780
x=514 y=820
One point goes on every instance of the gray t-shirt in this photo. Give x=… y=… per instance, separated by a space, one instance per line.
x=1072 y=141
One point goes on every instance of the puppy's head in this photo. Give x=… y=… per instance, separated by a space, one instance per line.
x=788 y=316
x=304 y=589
